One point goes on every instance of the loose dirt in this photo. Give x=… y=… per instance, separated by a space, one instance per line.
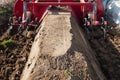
x=60 y=52
x=14 y=57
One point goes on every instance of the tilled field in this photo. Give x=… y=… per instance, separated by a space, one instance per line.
x=14 y=57
x=72 y=62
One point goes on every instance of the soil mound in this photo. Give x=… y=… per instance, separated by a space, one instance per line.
x=60 y=52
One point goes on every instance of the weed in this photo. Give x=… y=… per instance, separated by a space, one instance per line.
x=68 y=73
x=6 y=42
x=5 y=10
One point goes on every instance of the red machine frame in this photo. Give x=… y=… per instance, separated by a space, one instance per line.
x=80 y=9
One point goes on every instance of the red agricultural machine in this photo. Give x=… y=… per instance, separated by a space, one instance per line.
x=28 y=13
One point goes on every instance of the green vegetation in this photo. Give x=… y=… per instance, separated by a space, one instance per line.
x=1 y=11
x=68 y=73
x=5 y=11
x=6 y=42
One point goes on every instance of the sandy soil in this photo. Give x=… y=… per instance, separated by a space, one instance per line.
x=60 y=52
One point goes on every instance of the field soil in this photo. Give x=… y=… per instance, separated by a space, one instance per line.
x=107 y=52
x=14 y=56
x=60 y=51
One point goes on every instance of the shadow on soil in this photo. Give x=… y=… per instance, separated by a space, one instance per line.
x=107 y=55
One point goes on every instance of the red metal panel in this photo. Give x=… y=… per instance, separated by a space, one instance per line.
x=18 y=8
x=80 y=9
x=37 y=11
x=62 y=4
x=100 y=9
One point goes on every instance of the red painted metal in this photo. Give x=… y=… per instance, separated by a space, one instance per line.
x=79 y=8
